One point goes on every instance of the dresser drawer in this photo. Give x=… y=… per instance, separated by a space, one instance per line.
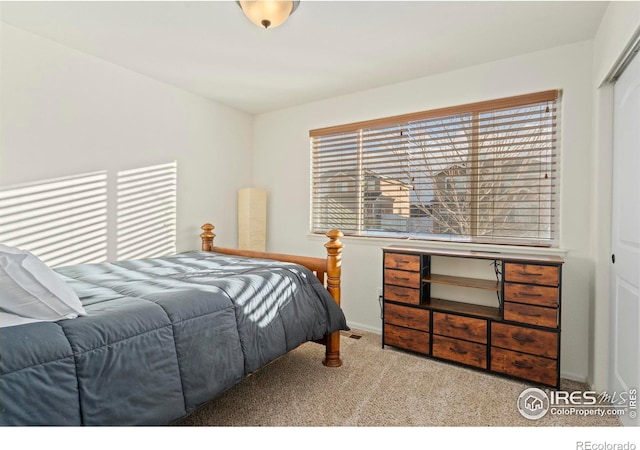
x=527 y=340
x=534 y=368
x=460 y=351
x=460 y=327
x=402 y=261
x=532 y=274
x=402 y=294
x=406 y=338
x=534 y=315
x=530 y=294
x=407 y=317
x=402 y=278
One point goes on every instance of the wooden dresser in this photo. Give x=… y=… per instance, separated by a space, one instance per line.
x=519 y=336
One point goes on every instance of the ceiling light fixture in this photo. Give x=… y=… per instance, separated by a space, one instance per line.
x=268 y=14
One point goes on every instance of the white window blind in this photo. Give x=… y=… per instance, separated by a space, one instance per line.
x=485 y=172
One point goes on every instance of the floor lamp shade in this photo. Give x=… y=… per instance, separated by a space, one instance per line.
x=252 y=219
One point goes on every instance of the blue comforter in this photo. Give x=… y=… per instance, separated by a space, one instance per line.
x=162 y=336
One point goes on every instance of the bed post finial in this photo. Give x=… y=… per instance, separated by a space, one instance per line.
x=334 y=272
x=334 y=263
x=207 y=237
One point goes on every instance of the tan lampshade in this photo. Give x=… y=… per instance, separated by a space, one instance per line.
x=266 y=13
x=252 y=219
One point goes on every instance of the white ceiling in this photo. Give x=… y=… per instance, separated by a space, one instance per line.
x=325 y=49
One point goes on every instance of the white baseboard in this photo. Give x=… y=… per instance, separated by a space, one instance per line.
x=574 y=377
x=358 y=326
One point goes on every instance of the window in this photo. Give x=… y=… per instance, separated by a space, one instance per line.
x=485 y=172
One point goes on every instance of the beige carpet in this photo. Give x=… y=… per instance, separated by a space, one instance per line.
x=375 y=387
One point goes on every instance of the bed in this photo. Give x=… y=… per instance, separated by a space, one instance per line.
x=162 y=336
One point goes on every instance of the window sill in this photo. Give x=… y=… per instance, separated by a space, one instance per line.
x=445 y=245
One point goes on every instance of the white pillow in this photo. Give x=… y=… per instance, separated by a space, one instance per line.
x=31 y=290
x=10 y=320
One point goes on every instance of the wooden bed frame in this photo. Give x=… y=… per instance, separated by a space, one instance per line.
x=328 y=270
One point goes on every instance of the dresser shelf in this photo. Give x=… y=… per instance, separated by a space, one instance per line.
x=489 y=285
x=518 y=338
x=468 y=309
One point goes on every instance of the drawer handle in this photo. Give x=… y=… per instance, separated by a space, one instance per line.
x=402 y=295
x=521 y=365
x=458 y=351
x=460 y=327
x=402 y=278
x=527 y=294
x=525 y=339
x=527 y=274
x=528 y=314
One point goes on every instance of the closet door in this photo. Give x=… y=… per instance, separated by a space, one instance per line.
x=624 y=365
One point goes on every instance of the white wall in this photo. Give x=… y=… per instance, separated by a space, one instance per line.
x=281 y=165
x=617 y=28
x=66 y=113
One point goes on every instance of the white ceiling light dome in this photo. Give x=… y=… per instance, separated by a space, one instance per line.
x=267 y=13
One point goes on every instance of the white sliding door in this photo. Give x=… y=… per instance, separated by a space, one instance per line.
x=624 y=367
